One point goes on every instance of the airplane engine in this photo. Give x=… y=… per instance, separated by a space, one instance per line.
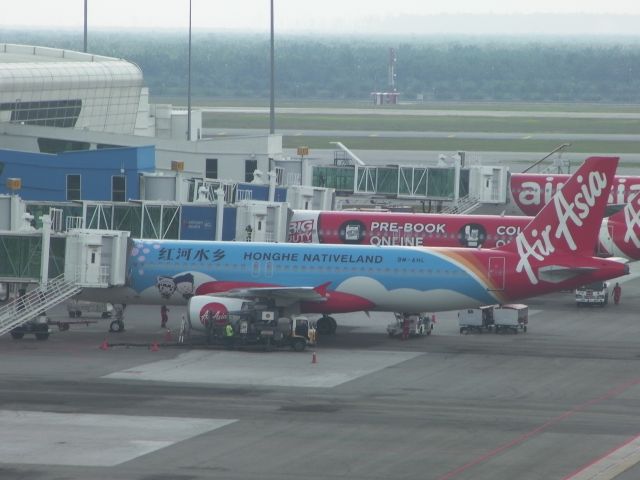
x=204 y=311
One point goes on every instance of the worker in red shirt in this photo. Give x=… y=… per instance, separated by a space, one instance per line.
x=617 y=291
x=405 y=328
x=163 y=316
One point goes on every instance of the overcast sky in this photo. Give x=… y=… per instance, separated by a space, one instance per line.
x=343 y=16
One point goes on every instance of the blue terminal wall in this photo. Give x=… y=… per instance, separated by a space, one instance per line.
x=44 y=175
x=199 y=223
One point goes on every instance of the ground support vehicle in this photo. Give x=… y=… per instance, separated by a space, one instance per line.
x=596 y=293
x=510 y=318
x=420 y=324
x=263 y=329
x=476 y=320
x=39 y=327
x=78 y=308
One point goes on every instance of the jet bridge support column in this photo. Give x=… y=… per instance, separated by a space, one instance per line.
x=46 y=242
x=219 y=212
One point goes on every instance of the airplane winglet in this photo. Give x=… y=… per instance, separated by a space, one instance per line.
x=322 y=289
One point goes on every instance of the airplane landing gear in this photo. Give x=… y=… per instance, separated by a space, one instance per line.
x=117 y=325
x=326 y=325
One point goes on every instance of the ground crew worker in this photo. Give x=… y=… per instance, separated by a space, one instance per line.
x=228 y=335
x=617 y=291
x=405 y=328
x=163 y=316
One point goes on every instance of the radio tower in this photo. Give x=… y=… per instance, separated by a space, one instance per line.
x=392 y=70
x=390 y=96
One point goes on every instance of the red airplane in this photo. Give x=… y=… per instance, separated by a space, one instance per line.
x=619 y=233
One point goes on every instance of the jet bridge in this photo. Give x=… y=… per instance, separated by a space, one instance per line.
x=91 y=258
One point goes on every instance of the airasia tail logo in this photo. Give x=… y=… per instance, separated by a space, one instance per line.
x=569 y=214
x=213 y=313
x=301 y=231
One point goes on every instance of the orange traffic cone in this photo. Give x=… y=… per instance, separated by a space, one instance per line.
x=154 y=347
x=314 y=359
x=167 y=335
x=104 y=345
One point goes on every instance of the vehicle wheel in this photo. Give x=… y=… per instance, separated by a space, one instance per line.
x=17 y=335
x=42 y=336
x=390 y=334
x=524 y=329
x=462 y=330
x=63 y=327
x=428 y=332
x=116 y=326
x=299 y=345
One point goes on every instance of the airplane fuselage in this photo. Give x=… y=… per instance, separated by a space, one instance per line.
x=357 y=277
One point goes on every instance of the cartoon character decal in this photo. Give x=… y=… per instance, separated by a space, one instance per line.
x=183 y=284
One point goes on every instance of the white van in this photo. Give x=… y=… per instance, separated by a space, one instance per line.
x=596 y=293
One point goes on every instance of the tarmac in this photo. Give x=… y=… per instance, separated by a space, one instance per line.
x=558 y=402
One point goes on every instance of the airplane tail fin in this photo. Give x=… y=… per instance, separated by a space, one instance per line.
x=570 y=222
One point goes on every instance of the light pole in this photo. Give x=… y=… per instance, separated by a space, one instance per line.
x=272 y=103
x=85 y=26
x=189 y=81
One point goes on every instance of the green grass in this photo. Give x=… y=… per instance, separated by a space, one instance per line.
x=412 y=123
x=454 y=144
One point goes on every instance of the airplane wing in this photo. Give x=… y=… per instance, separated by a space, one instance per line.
x=293 y=294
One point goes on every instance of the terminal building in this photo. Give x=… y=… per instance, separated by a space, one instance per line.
x=54 y=100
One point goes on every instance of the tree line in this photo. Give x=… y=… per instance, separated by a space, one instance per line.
x=349 y=68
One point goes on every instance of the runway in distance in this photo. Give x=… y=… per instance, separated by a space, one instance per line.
x=619 y=233
x=553 y=252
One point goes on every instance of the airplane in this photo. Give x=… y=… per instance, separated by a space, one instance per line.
x=531 y=191
x=619 y=232
x=553 y=252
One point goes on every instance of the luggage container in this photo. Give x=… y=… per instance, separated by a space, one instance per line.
x=511 y=318
x=476 y=319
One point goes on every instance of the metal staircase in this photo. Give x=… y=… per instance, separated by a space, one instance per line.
x=465 y=205
x=28 y=306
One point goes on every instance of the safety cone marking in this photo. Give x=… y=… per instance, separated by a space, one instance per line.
x=154 y=347
x=104 y=345
x=313 y=358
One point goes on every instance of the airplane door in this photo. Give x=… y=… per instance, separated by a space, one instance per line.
x=497 y=272
x=92 y=272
